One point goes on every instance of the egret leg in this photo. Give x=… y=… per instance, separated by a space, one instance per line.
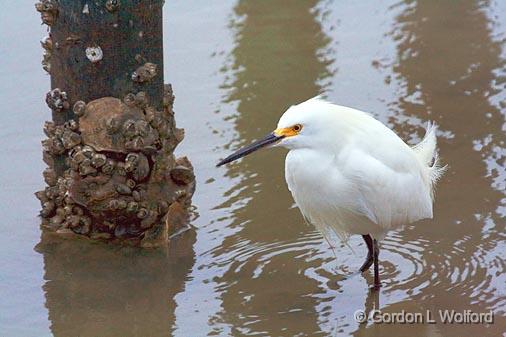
x=370 y=253
x=377 y=283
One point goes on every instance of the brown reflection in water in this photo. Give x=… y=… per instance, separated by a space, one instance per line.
x=447 y=56
x=98 y=290
x=275 y=64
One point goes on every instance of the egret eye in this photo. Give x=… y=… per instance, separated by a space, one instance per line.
x=297 y=127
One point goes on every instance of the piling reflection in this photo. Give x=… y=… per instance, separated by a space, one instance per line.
x=99 y=290
x=274 y=64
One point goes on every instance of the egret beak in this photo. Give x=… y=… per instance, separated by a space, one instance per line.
x=271 y=138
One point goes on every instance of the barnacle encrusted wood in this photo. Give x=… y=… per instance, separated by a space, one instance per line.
x=108 y=124
x=111 y=174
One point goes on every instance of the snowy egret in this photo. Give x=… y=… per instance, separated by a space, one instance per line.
x=350 y=174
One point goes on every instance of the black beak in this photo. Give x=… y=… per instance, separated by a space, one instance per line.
x=267 y=140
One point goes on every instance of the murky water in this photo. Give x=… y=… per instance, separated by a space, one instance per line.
x=251 y=266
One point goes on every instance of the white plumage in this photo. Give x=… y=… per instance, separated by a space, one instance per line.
x=350 y=174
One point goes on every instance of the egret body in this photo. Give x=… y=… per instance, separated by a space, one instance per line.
x=350 y=174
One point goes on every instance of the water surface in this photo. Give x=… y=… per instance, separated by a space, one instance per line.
x=251 y=266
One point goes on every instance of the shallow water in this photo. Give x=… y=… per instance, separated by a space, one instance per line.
x=251 y=266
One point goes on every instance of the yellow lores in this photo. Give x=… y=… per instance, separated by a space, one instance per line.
x=288 y=132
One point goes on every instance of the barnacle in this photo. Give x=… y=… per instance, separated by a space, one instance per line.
x=144 y=73
x=48 y=11
x=57 y=100
x=112 y=5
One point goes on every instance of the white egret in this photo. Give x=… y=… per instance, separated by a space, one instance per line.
x=350 y=174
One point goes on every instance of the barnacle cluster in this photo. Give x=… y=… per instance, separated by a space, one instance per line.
x=111 y=170
x=144 y=73
x=47 y=45
x=48 y=10
x=57 y=100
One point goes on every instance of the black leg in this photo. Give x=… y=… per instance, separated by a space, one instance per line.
x=377 y=283
x=370 y=253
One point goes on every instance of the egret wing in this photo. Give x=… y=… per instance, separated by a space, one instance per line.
x=391 y=197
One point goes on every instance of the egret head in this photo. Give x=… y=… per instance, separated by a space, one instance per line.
x=300 y=126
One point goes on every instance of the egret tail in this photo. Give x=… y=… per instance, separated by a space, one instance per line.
x=426 y=151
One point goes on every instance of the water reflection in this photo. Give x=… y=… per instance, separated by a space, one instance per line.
x=453 y=82
x=274 y=64
x=447 y=66
x=97 y=290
